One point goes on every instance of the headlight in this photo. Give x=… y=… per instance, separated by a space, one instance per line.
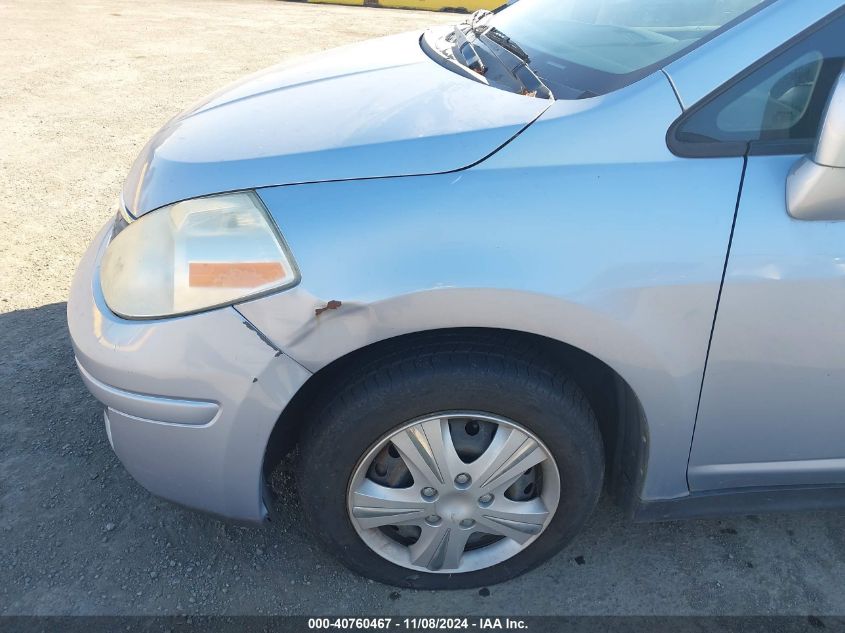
x=195 y=255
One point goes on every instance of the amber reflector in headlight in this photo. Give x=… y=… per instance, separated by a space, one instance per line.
x=195 y=255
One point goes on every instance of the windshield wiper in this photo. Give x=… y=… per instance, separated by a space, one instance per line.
x=477 y=17
x=472 y=60
x=473 y=45
x=507 y=44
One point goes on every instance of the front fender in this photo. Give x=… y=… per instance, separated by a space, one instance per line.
x=392 y=257
x=585 y=229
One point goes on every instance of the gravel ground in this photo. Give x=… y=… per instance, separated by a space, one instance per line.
x=82 y=86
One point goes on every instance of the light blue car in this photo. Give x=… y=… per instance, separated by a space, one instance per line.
x=480 y=274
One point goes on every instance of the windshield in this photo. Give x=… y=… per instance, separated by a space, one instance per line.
x=584 y=48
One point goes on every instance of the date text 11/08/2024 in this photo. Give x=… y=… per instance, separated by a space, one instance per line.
x=414 y=624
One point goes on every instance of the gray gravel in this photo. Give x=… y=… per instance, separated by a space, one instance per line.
x=82 y=85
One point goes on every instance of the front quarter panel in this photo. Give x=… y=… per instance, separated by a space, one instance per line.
x=585 y=229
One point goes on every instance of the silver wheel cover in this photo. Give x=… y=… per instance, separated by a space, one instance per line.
x=450 y=500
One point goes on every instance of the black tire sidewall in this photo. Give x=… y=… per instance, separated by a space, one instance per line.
x=371 y=409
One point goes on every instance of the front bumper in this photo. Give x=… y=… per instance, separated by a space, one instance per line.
x=190 y=401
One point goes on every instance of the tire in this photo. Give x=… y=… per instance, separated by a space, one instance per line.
x=469 y=371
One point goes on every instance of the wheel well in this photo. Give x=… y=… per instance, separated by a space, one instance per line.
x=620 y=416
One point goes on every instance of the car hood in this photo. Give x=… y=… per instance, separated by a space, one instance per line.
x=377 y=109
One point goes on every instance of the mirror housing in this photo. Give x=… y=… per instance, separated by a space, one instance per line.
x=815 y=188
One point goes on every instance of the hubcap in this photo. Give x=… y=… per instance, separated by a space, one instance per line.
x=454 y=492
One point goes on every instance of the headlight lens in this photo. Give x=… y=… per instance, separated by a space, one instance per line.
x=195 y=255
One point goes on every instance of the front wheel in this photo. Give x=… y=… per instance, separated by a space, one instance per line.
x=457 y=464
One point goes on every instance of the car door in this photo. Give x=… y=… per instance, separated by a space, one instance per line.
x=772 y=405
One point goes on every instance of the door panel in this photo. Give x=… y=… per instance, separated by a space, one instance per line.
x=772 y=409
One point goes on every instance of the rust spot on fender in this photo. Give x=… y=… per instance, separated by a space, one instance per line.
x=331 y=305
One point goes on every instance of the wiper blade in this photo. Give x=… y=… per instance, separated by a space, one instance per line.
x=473 y=44
x=507 y=44
x=468 y=52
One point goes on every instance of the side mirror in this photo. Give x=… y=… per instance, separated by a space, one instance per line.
x=815 y=188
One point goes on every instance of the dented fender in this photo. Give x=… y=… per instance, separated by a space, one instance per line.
x=576 y=243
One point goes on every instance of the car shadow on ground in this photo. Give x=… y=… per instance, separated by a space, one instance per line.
x=80 y=536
